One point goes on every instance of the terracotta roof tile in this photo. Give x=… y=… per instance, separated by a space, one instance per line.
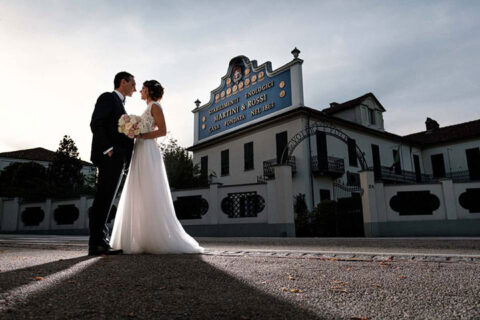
x=455 y=132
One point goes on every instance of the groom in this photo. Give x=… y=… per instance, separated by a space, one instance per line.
x=111 y=153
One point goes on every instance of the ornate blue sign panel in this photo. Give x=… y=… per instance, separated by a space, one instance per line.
x=246 y=93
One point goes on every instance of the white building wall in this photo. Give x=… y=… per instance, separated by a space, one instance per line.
x=435 y=189
x=458 y=190
x=352 y=115
x=264 y=148
x=454 y=155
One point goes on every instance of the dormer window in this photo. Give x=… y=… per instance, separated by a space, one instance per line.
x=371 y=116
x=365 y=110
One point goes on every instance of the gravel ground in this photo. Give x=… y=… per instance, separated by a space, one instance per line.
x=65 y=284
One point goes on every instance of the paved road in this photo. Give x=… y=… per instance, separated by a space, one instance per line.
x=52 y=278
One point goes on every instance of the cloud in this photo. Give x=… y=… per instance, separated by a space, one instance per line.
x=418 y=58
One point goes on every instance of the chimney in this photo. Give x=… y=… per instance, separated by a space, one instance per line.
x=333 y=104
x=431 y=124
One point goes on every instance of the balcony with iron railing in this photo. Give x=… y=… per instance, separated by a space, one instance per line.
x=390 y=175
x=331 y=167
x=268 y=167
x=462 y=176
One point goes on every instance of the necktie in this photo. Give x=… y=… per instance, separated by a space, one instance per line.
x=123 y=101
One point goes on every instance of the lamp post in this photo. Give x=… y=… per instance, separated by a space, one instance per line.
x=295 y=53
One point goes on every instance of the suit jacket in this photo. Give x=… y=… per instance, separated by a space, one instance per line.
x=104 y=124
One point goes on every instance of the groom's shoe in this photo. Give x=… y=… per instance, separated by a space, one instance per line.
x=99 y=250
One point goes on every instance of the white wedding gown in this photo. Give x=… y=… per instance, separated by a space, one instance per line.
x=145 y=221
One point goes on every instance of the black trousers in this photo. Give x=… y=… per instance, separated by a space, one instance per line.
x=110 y=172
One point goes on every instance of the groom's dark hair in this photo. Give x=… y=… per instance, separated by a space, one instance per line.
x=119 y=76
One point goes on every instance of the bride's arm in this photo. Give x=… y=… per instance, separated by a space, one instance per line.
x=157 y=114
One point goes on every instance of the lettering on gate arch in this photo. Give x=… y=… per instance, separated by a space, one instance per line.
x=310 y=131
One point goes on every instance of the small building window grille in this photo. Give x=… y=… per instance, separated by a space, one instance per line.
x=242 y=205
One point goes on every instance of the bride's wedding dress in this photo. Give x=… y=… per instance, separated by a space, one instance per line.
x=145 y=221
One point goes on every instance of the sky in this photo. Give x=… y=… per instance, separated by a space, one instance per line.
x=419 y=58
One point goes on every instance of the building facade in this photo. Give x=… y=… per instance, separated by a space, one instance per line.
x=328 y=149
x=260 y=147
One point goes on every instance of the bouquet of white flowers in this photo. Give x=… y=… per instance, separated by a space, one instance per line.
x=131 y=125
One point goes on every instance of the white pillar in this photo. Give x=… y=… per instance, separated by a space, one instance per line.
x=297 y=83
x=83 y=211
x=449 y=199
x=17 y=213
x=213 y=203
x=49 y=216
x=283 y=189
x=196 y=115
x=369 y=203
x=381 y=204
x=10 y=215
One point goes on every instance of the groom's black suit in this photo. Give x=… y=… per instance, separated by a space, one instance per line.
x=104 y=125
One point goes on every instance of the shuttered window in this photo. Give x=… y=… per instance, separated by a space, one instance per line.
x=352 y=152
x=248 y=155
x=204 y=166
x=225 y=163
x=281 y=139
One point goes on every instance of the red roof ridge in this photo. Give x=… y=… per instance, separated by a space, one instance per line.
x=443 y=128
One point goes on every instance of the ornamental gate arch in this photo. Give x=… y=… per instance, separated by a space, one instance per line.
x=328 y=130
x=348 y=218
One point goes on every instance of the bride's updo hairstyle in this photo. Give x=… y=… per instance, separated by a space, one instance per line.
x=155 y=89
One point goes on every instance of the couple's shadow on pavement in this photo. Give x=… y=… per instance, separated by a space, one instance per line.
x=139 y=286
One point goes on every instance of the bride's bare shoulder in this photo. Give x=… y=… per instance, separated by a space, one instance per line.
x=156 y=109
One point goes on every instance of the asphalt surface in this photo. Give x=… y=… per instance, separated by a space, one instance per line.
x=52 y=278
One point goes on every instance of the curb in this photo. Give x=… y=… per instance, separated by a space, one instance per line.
x=360 y=257
x=319 y=255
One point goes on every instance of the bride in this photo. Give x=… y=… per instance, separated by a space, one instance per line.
x=145 y=221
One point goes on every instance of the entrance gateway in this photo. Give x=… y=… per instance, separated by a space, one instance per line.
x=347 y=220
x=312 y=130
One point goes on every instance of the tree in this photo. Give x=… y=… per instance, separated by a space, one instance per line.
x=181 y=171
x=65 y=170
x=25 y=180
